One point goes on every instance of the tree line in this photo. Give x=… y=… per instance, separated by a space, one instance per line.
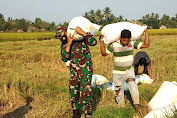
x=105 y=16
x=101 y=17
x=12 y=25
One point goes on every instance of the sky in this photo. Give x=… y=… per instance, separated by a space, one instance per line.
x=59 y=11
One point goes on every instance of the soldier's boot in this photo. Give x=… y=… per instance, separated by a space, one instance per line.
x=76 y=114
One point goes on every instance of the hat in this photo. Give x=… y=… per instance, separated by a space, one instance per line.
x=59 y=32
x=60 y=29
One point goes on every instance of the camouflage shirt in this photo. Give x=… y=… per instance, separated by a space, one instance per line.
x=79 y=54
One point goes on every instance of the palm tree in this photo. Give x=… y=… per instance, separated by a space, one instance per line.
x=92 y=16
x=112 y=19
x=143 y=18
x=120 y=18
x=107 y=13
x=157 y=16
x=147 y=17
x=152 y=15
x=86 y=15
x=98 y=16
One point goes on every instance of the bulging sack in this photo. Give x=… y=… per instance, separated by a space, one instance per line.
x=110 y=86
x=98 y=80
x=113 y=31
x=84 y=24
x=165 y=96
x=143 y=78
x=162 y=112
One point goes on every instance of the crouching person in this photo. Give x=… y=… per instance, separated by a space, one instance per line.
x=81 y=70
x=123 y=70
x=142 y=59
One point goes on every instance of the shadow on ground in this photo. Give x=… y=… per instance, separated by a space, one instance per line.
x=128 y=96
x=20 y=112
x=96 y=97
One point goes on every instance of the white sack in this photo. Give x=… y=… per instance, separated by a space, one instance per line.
x=161 y=112
x=101 y=82
x=165 y=96
x=110 y=86
x=98 y=80
x=112 y=32
x=143 y=78
x=84 y=24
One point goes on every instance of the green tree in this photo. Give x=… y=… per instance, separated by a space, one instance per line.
x=152 y=15
x=107 y=13
x=156 y=16
x=8 y=26
x=46 y=25
x=86 y=15
x=151 y=20
x=98 y=16
x=92 y=16
x=112 y=19
x=2 y=21
x=173 y=22
x=52 y=27
x=23 y=24
x=146 y=17
x=38 y=23
x=120 y=18
x=165 y=20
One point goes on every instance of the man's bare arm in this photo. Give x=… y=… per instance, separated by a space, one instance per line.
x=102 y=46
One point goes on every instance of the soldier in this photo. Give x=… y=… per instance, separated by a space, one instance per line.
x=81 y=69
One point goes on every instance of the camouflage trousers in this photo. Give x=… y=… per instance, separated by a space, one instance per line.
x=80 y=89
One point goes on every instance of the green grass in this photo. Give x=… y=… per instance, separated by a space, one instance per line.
x=114 y=112
x=33 y=68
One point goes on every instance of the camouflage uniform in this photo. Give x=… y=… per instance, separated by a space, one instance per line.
x=81 y=71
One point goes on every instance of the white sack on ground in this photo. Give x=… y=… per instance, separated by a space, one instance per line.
x=112 y=32
x=98 y=80
x=143 y=78
x=84 y=24
x=165 y=96
x=110 y=86
x=101 y=81
x=162 y=112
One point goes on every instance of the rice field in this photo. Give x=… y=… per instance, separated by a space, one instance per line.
x=34 y=81
x=153 y=32
x=26 y=36
x=162 y=32
x=48 y=35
